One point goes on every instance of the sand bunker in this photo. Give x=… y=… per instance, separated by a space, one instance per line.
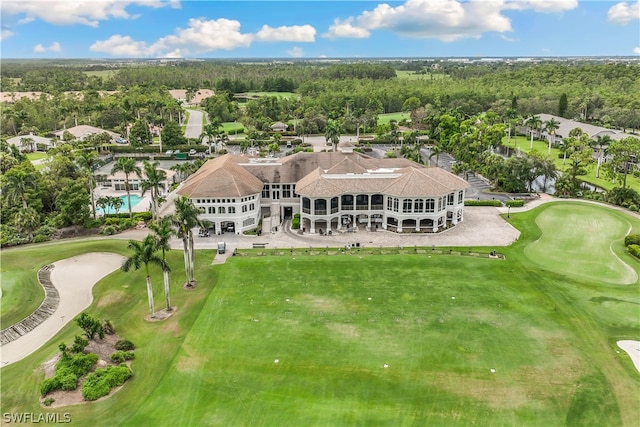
x=633 y=350
x=74 y=279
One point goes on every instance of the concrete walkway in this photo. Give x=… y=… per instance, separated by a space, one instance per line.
x=74 y=279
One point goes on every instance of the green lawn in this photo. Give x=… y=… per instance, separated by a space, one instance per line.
x=36 y=156
x=105 y=74
x=440 y=322
x=232 y=127
x=278 y=94
x=384 y=119
x=524 y=144
x=402 y=74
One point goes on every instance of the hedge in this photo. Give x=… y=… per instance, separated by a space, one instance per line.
x=100 y=382
x=632 y=239
x=515 y=203
x=634 y=250
x=496 y=203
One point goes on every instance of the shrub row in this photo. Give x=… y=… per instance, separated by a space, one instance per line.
x=295 y=222
x=515 y=203
x=634 y=250
x=482 y=203
x=100 y=382
x=124 y=345
x=122 y=356
x=68 y=370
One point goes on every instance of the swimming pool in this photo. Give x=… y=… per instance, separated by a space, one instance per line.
x=135 y=199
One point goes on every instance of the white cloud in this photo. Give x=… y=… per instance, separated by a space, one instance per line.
x=446 y=20
x=637 y=50
x=205 y=36
x=622 y=13
x=296 y=33
x=345 y=29
x=120 y=46
x=55 y=47
x=199 y=37
x=507 y=39
x=5 y=34
x=545 y=6
x=84 y=12
x=296 y=52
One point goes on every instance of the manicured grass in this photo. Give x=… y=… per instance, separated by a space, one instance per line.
x=278 y=94
x=232 y=127
x=576 y=241
x=441 y=323
x=384 y=119
x=36 y=156
x=105 y=74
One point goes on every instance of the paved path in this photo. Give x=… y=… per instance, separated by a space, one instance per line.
x=194 y=125
x=74 y=279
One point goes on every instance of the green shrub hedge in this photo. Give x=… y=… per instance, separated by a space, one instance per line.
x=122 y=356
x=515 y=203
x=482 y=203
x=100 y=382
x=124 y=345
x=634 y=250
x=68 y=370
x=632 y=239
x=295 y=222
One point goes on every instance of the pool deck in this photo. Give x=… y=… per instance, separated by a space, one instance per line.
x=142 y=206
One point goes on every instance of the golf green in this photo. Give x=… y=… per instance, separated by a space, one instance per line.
x=577 y=241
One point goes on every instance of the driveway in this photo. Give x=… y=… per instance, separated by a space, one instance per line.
x=194 y=125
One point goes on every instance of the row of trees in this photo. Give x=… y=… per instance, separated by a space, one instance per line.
x=152 y=250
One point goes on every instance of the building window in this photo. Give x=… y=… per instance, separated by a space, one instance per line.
x=232 y=209
x=395 y=204
x=286 y=191
x=252 y=207
x=418 y=205
x=389 y=203
x=430 y=205
x=450 y=199
x=212 y=210
x=221 y=210
x=440 y=204
x=244 y=208
x=460 y=197
x=306 y=205
x=265 y=192
x=406 y=205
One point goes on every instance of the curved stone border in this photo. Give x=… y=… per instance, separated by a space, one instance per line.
x=42 y=313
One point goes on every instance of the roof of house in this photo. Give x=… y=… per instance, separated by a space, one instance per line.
x=16 y=140
x=221 y=177
x=198 y=97
x=279 y=125
x=82 y=131
x=593 y=131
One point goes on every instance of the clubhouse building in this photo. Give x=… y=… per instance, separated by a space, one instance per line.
x=332 y=192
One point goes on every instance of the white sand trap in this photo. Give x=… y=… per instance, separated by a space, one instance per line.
x=74 y=279
x=633 y=350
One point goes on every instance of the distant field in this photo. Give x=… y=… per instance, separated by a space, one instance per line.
x=413 y=76
x=36 y=156
x=278 y=94
x=232 y=127
x=105 y=74
x=384 y=119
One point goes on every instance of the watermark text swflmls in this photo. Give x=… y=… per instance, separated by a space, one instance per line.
x=36 y=417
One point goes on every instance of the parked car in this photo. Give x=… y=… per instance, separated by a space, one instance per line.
x=222 y=247
x=121 y=140
x=169 y=152
x=192 y=152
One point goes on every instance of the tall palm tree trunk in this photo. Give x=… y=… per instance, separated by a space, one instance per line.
x=187 y=261
x=126 y=185
x=150 y=297
x=165 y=275
x=191 y=259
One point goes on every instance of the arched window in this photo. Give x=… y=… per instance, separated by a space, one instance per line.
x=232 y=209
x=221 y=210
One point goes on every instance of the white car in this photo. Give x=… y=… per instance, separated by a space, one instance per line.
x=192 y=152
x=169 y=152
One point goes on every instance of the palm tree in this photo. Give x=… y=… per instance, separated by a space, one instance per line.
x=88 y=160
x=435 y=150
x=601 y=142
x=153 y=183
x=209 y=131
x=16 y=184
x=116 y=203
x=27 y=220
x=163 y=230
x=128 y=166
x=551 y=126
x=184 y=220
x=103 y=202
x=332 y=133
x=144 y=253
x=533 y=122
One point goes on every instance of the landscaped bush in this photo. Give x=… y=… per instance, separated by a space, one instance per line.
x=515 y=203
x=482 y=203
x=109 y=230
x=68 y=370
x=100 y=382
x=634 y=250
x=124 y=345
x=79 y=344
x=632 y=239
x=295 y=222
x=121 y=356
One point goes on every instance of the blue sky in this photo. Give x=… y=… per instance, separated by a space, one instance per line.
x=317 y=29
